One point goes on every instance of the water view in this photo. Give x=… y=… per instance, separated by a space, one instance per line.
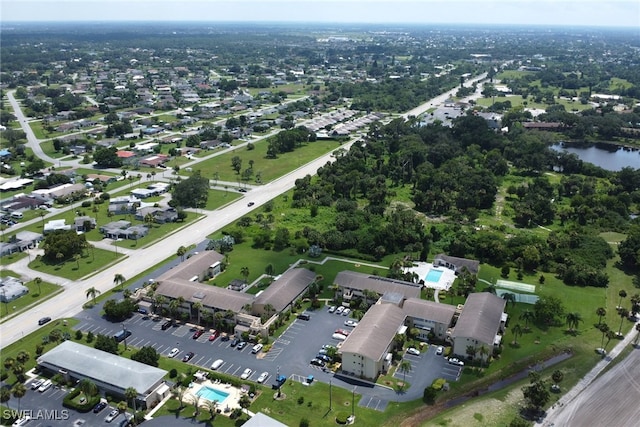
x=611 y=158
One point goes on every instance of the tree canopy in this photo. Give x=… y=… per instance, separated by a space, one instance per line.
x=192 y=192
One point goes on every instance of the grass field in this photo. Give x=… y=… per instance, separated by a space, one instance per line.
x=269 y=169
x=90 y=262
x=517 y=100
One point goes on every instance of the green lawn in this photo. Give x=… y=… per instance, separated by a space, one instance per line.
x=517 y=100
x=269 y=169
x=90 y=262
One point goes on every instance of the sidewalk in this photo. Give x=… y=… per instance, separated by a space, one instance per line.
x=565 y=400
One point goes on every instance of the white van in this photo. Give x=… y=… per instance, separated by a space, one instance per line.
x=17 y=215
x=256 y=348
x=45 y=386
x=217 y=364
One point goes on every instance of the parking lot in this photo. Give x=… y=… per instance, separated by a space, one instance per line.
x=45 y=409
x=290 y=354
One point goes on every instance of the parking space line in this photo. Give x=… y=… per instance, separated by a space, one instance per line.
x=199 y=360
x=208 y=362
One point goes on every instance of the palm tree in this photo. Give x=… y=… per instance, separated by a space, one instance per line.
x=635 y=304
x=601 y=312
x=18 y=391
x=38 y=282
x=119 y=279
x=8 y=362
x=622 y=294
x=610 y=335
x=527 y=316
x=623 y=313
x=269 y=310
x=23 y=356
x=158 y=303
x=92 y=292
x=604 y=328
x=404 y=368
x=472 y=351
x=638 y=335
x=131 y=394
x=181 y=252
x=572 y=320
x=174 y=304
x=88 y=388
x=211 y=407
x=509 y=297
x=484 y=354
x=517 y=330
x=245 y=273
x=197 y=306
x=179 y=393
x=5 y=394
x=248 y=308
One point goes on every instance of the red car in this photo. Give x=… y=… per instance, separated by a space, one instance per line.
x=213 y=335
x=197 y=334
x=342 y=332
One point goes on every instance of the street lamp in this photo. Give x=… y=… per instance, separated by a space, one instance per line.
x=125 y=336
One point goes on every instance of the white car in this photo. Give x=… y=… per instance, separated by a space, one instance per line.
x=346 y=312
x=45 y=386
x=439 y=350
x=455 y=361
x=256 y=348
x=246 y=374
x=174 y=352
x=112 y=415
x=21 y=422
x=263 y=376
x=332 y=309
x=339 y=310
x=413 y=351
x=217 y=364
x=351 y=323
x=36 y=384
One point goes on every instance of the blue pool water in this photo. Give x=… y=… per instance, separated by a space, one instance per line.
x=433 y=276
x=212 y=394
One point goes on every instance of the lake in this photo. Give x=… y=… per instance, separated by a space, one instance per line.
x=606 y=156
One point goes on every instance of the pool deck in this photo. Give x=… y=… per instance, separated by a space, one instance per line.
x=422 y=269
x=230 y=401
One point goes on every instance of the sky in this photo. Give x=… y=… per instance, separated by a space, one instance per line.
x=608 y=13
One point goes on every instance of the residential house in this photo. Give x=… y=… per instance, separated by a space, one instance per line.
x=11 y=288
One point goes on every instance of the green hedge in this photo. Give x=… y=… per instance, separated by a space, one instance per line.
x=68 y=401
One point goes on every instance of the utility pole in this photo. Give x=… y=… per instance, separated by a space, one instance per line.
x=125 y=336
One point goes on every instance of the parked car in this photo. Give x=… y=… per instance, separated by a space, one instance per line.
x=346 y=311
x=217 y=364
x=304 y=316
x=45 y=386
x=414 y=351
x=112 y=415
x=44 y=320
x=256 y=348
x=339 y=310
x=197 y=334
x=225 y=337
x=318 y=362
x=323 y=357
x=187 y=356
x=235 y=342
x=439 y=350
x=246 y=374
x=350 y=323
x=241 y=345
x=456 y=361
x=339 y=337
x=213 y=335
x=342 y=332
x=262 y=378
x=174 y=352
x=21 y=421
x=166 y=325
x=99 y=406
x=143 y=310
x=36 y=384
x=332 y=309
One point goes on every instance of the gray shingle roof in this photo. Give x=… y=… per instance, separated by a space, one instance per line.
x=288 y=286
x=380 y=285
x=374 y=333
x=208 y=295
x=103 y=367
x=429 y=310
x=480 y=317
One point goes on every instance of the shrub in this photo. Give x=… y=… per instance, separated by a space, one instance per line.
x=78 y=334
x=342 y=417
x=86 y=204
x=429 y=395
x=300 y=400
x=69 y=401
x=90 y=336
x=304 y=422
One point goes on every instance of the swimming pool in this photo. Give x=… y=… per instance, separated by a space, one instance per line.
x=433 y=276
x=212 y=394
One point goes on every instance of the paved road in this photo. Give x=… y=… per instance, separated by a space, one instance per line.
x=70 y=302
x=611 y=399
